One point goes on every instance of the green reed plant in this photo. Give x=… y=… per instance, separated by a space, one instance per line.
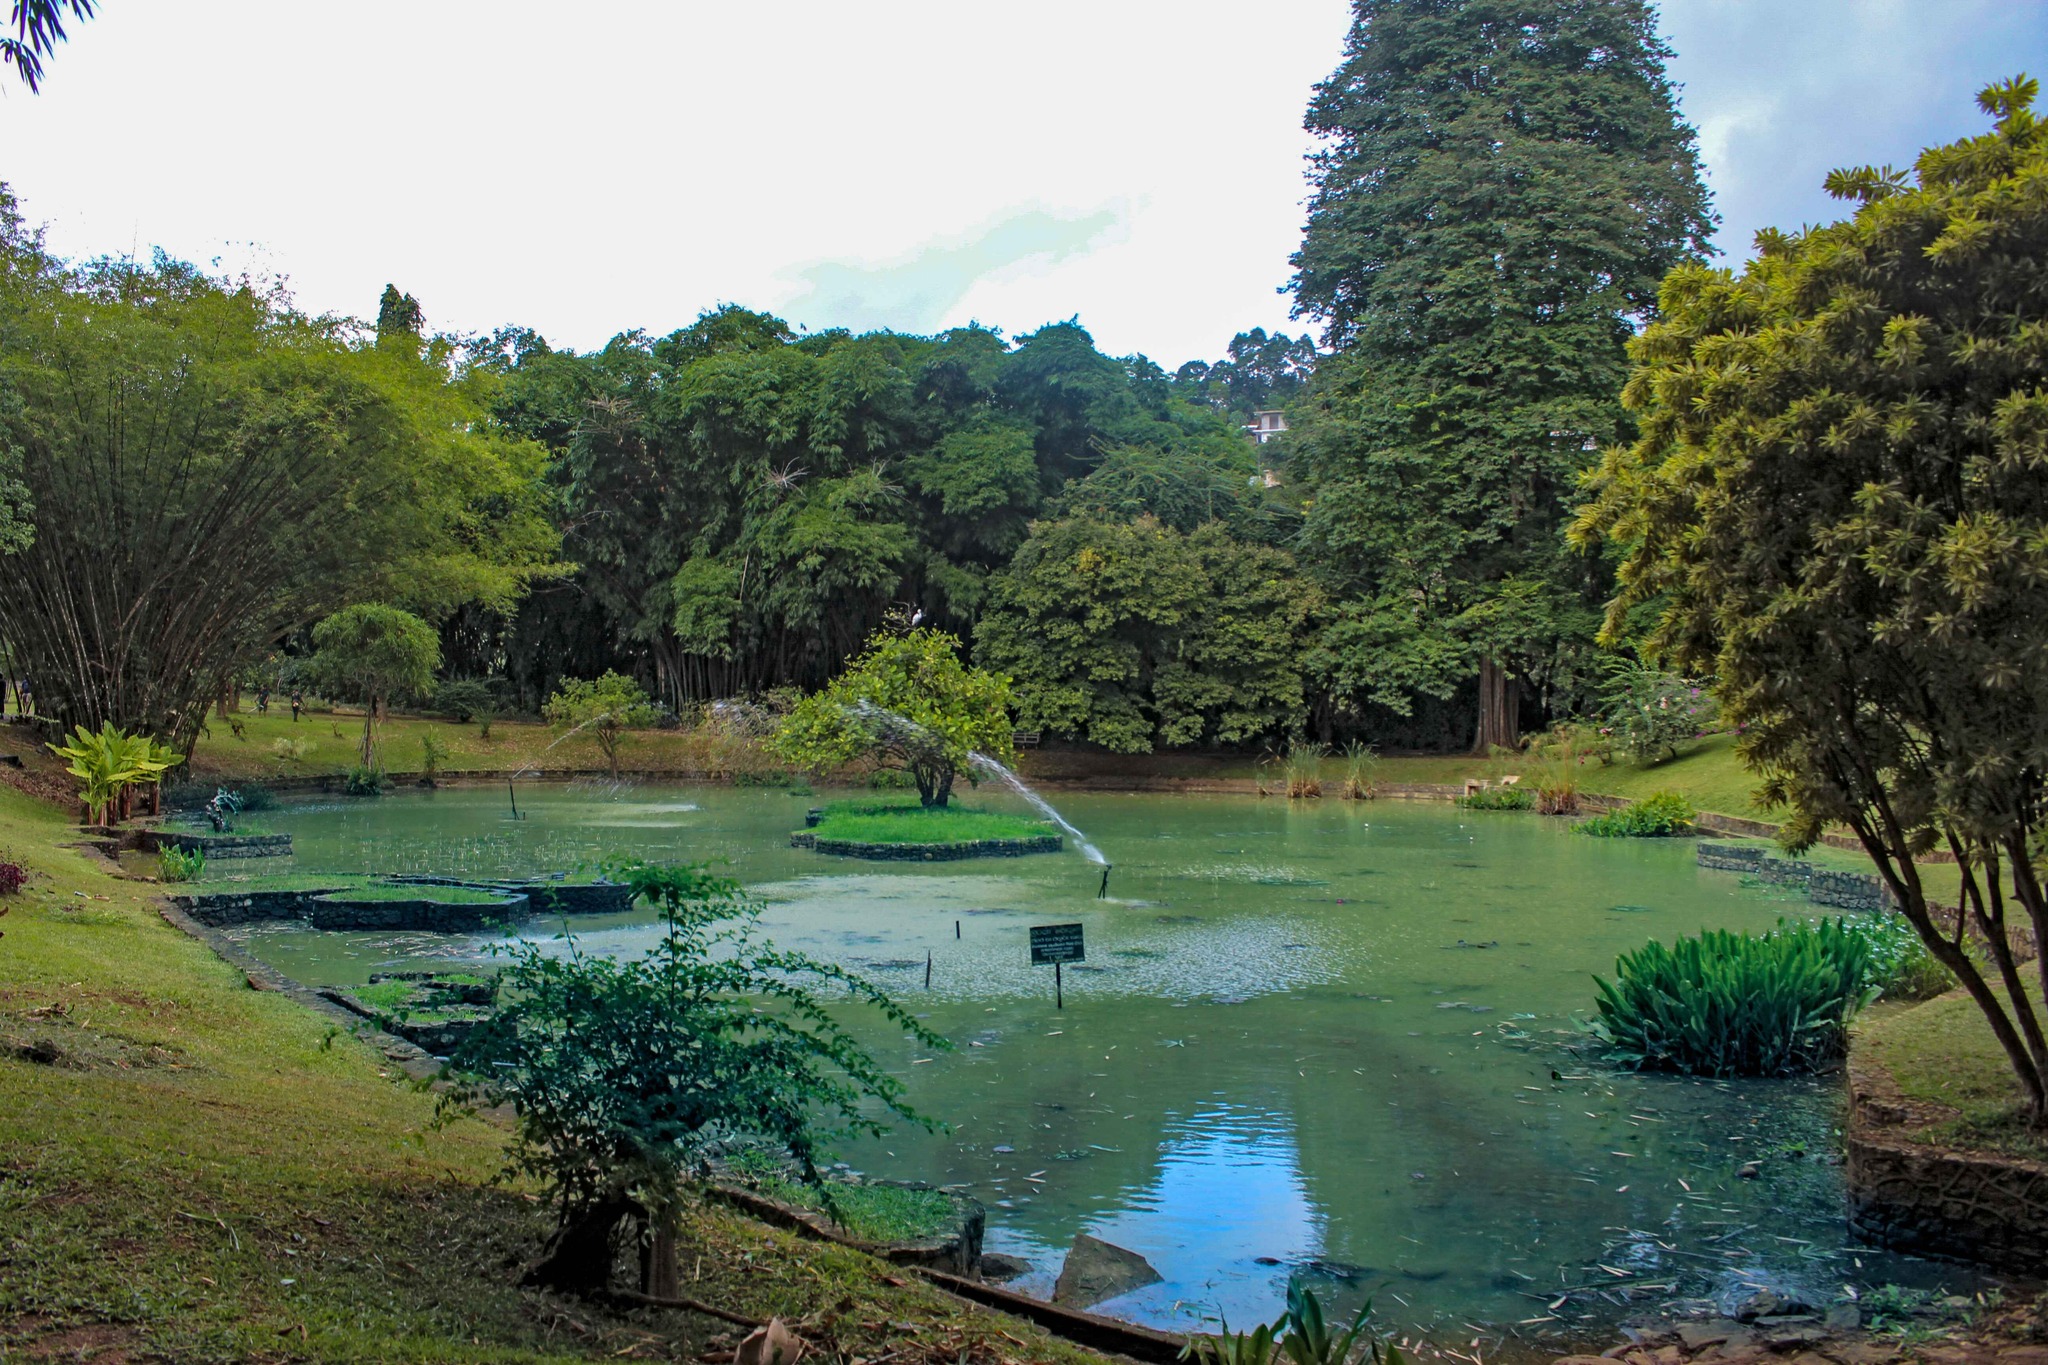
x=1658 y=815
x=1304 y=767
x=1361 y=771
x=174 y=864
x=1726 y=1004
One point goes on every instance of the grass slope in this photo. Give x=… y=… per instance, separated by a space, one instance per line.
x=194 y=1170
x=896 y=823
x=1943 y=1053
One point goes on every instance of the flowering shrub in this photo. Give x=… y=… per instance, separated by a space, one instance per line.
x=12 y=877
x=1651 y=712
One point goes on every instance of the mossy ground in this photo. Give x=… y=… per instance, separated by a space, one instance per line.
x=193 y=1170
x=909 y=823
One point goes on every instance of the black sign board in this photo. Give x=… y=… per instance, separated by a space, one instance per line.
x=1056 y=943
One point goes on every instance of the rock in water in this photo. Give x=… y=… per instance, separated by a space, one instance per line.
x=1095 y=1271
x=997 y=1267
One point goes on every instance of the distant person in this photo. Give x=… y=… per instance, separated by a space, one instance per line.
x=262 y=701
x=298 y=704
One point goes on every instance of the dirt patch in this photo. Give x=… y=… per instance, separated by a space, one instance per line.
x=49 y=1036
x=34 y=1337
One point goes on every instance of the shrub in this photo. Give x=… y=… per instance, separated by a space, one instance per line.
x=1725 y=1004
x=1499 y=798
x=365 y=779
x=433 y=753
x=1900 y=964
x=1651 y=712
x=607 y=706
x=1300 y=1336
x=13 y=876
x=253 y=796
x=174 y=864
x=627 y=1077
x=291 y=750
x=464 y=699
x=1658 y=815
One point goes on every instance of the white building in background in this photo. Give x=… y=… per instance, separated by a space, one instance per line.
x=1266 y=423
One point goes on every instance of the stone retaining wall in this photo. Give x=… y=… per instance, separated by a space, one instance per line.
x=1823 y=886
x=219 y=909
x=1932 y=1200
x=923 y=853
x=337 y=911
x=219 y=845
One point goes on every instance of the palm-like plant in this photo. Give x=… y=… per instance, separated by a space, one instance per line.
x=108 y=762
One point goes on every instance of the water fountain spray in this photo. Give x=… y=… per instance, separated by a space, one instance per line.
x=1002 y=772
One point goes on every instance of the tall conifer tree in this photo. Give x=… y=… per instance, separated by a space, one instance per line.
x=1501 y=186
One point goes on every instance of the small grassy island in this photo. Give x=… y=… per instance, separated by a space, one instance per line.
x=902 y=830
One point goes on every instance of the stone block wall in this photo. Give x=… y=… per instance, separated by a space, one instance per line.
x=928 y=853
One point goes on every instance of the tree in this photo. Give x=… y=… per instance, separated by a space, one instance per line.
x=370 y=654
x=206 y=471
x=1840 y=496
x=38 y=28
x=628 y=1076
x=908 y=703
x=607 y=706
x=399 y=320
x=1501 y=187
x=1133 y=636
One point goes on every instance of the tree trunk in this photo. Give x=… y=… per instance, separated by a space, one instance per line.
x=659 y=1276
x=934 y=786
x=1499 y=704
x=579 y=1259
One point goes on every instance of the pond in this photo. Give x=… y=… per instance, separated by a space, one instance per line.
x=1330 y=1039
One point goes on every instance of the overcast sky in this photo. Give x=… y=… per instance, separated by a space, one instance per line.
x=903 y=163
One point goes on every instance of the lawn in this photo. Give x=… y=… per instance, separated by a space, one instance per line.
x=194 y=1170
x=1943 y=1052
x=898 y=823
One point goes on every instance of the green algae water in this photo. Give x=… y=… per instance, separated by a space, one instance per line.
x=1333 y=1040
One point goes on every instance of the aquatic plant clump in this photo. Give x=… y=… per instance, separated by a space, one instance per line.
x=1660 y=815
x=1724 y=1004
x=1499 y=798
x=908 y=824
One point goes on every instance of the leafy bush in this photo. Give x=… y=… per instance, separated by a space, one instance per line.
x=291 y=750
x=13 y=876
x=1499 y=798
x=607 y=706
x=433 y=753
x=1299 y=1335
x=464 y=699
x=1651 y=712
x=1725 y=1004
x=174 y=864
x=1900 y=964
x=627 y=1076
x=254 y=796
x=1658 y=815
x=365 y=779
x=107 y=762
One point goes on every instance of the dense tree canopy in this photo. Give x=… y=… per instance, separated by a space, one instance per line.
x=1135 y=636
x=1502 y=185
x=202 y=471
x=747 y=506
x=1840 y=500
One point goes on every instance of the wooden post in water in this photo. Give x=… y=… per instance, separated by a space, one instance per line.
x=927 y=969
x=513 y=792
x=1059 y=989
